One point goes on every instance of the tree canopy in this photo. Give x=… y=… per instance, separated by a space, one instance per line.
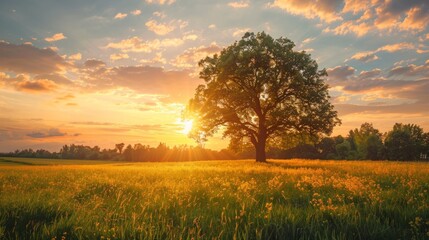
x=259 y=88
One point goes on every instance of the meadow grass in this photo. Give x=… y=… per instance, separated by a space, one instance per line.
x=290 y=199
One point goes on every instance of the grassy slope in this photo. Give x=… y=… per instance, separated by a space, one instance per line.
x=293 y=199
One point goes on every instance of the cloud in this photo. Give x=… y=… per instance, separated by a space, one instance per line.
x=238 y=32
x=359 y=29
x=65 y=97
x=120 y=15
x=145 y=80
x=30 y=59
x=307 y=40
x=396 y=47
x=364 y=56
x=25 y=83
x=92 y=123
x=340 y=73
x=155 y=60
x=401 y=85
x=191 y=56
x=361 y=17
x=410 y=70
x=53 y=132
x=159 y=14
x=54 y=77
x=356 y=6
x=35 y=86
x=165 y=28
x=240 y=4
x=136 y=44
x=136 y=12
x=192 y=37
x=161 y=2
x=93 y=63
x=369 y=74
x=368 y=56
x=417 y=19
x=159 y=28
x=118 y=56
x=326 y=10
x=56 y=37
x=76 y=56
x=405 y=15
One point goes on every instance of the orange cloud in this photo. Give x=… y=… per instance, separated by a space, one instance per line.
x=136 y=44
x=143 y=79
x=386 y=15
x=29 y=59
x=191 y=56
x=159 y=28
x=65 y=97
x=53 y=132
x=401 y=84
x=326 y=10
x=192 y=37
x=238 y=32
x=365 y=56
x=396 y=47
x=77 y=56
x=118 y=56
x=157 y=59
x=359 y=29
x=161 y=2
x=120 y=15
x=136 y=12
x=356 y=6
x=35 y=86
x=409 y=15
x=165 y=28
x=368 y=56
x=241 y=4
x=417 y=19
x=56 y=37
x=340 y=73
x=94 y=63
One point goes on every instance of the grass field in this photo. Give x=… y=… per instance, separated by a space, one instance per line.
x=293 y=199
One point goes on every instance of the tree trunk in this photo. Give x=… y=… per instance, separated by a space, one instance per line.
x=260 y=150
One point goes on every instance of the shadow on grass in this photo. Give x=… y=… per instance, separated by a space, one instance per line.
x=14 y=162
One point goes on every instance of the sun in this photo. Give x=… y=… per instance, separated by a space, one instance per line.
x=187 y=126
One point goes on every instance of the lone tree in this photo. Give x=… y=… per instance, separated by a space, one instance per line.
x=260 y=88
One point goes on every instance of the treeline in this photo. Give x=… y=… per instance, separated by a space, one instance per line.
x=136 y=153
x=405 y=142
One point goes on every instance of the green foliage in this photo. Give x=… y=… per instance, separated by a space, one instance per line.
x=366 y=142
x=292 y=199
x=260 y=88
x=405 y=142
x=343 y=150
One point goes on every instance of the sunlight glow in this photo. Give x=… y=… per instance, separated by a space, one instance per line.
x=187 y=126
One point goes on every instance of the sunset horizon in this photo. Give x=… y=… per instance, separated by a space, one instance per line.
x=103 y=73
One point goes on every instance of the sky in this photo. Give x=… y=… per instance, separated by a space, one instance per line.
x=103 y=72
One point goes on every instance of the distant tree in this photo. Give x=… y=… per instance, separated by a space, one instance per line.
x=260 y=88
x=405 y=142
x=120 y=146
x=326 y=147
x=306 y=151
x=343 y=150
x=128 y=153
x=366 y=141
